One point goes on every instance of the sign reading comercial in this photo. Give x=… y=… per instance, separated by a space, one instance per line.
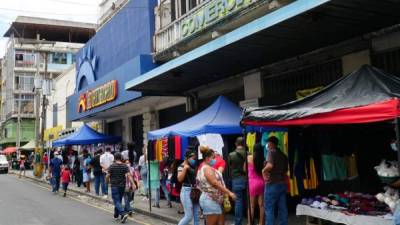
x=210 y=13
x=98 y=96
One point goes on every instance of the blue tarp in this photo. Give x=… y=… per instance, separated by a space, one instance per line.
x=222 y=117
x=86 y=136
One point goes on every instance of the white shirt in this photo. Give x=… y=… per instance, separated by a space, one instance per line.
x=213 y=141
x=106 y=160
x=141 y=161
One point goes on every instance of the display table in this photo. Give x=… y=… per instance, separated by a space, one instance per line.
x=338 y=217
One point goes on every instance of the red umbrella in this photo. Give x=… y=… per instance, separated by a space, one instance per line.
x=9 y=150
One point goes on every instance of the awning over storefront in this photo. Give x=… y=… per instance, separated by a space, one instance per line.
x=222 y=117
x=85 y=136
x=9 y=150
x=29 y=146
x=294 y=29
x=364 y=96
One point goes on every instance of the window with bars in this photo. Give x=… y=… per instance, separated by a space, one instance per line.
x=387 y=61
x=24 y=81
x=26 y=101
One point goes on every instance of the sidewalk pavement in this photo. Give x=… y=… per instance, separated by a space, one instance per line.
x=141 y=205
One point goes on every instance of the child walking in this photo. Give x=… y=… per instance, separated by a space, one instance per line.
x=65 y=178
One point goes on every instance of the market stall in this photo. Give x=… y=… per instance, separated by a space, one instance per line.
x=86 y=136
x=336 y=137
x=206 y=128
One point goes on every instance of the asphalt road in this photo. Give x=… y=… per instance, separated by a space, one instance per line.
x=25 y=203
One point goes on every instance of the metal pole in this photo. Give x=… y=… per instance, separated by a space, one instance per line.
x=148 y=178
x=397 y=128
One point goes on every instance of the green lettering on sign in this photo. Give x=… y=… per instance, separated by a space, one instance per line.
x=210 y=13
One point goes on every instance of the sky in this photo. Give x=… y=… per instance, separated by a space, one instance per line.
x=72 y=10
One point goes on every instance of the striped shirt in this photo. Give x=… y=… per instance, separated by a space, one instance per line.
x=118 y=174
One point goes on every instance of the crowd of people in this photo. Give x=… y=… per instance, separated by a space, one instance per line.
x=201 y=182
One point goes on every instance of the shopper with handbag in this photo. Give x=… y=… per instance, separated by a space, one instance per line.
x=212 y=186
x=189 y=193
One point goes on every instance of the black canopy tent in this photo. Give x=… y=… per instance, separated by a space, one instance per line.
x=366 y=95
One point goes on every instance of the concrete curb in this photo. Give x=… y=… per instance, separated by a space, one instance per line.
x=141 y=211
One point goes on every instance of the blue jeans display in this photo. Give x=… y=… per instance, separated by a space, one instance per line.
x=163 y=184
x=275 y=195
x=100 y=180
x=191 y=210
x=128 y=197
x=56 y=182
x=239 y=188
x=117 y=193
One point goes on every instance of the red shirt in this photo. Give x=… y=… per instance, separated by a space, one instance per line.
x=219 y=162
x=65 y=176
x=45 y=159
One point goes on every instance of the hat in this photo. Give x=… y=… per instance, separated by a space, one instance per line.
x=273 y=139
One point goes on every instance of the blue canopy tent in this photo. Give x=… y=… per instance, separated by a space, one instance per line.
x=222 y=117
x=85 y=136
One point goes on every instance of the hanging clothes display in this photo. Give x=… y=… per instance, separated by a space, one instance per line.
x=159 y=145
x=351 y=164
x=251 y=141
x=150 y=150
x=171 y=148
x=164 y=148
x=334 y=167
x=213 y=141
x=154 y=175
x=184 y=146
x=177 y=147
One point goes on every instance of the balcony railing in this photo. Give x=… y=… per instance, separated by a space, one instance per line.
x=197 y=20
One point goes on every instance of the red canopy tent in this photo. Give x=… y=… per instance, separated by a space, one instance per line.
x=9 y=150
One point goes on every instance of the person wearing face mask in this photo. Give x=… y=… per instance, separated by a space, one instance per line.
x=187 y=176
x=212 y=186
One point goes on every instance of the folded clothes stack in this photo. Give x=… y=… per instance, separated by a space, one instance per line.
x=349 y=202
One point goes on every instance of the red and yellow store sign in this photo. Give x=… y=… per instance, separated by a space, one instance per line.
x=98 y=96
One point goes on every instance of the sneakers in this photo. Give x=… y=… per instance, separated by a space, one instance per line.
x=116 y=217
x=124 y=218
x=65 y=194
x=105 y=196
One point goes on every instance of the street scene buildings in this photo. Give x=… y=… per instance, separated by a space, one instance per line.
x=291 y=104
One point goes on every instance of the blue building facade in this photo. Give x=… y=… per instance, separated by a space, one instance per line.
x=119 y=51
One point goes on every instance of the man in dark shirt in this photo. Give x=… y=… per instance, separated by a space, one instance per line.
x=99 y=176
x=274 y=174
x=55 y=171
x=236 y=161
x=118 y=172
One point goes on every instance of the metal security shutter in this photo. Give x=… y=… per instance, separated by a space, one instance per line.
x=281 y=88
x=388 y=61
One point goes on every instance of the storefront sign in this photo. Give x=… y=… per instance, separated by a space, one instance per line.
x=51 y=134
x=98 y=96
x=210 y=13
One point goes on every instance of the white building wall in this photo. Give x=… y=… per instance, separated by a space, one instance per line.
x=63 y=86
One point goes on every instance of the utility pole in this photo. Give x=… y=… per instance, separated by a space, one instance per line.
x=44 y=102
x=37 y=170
